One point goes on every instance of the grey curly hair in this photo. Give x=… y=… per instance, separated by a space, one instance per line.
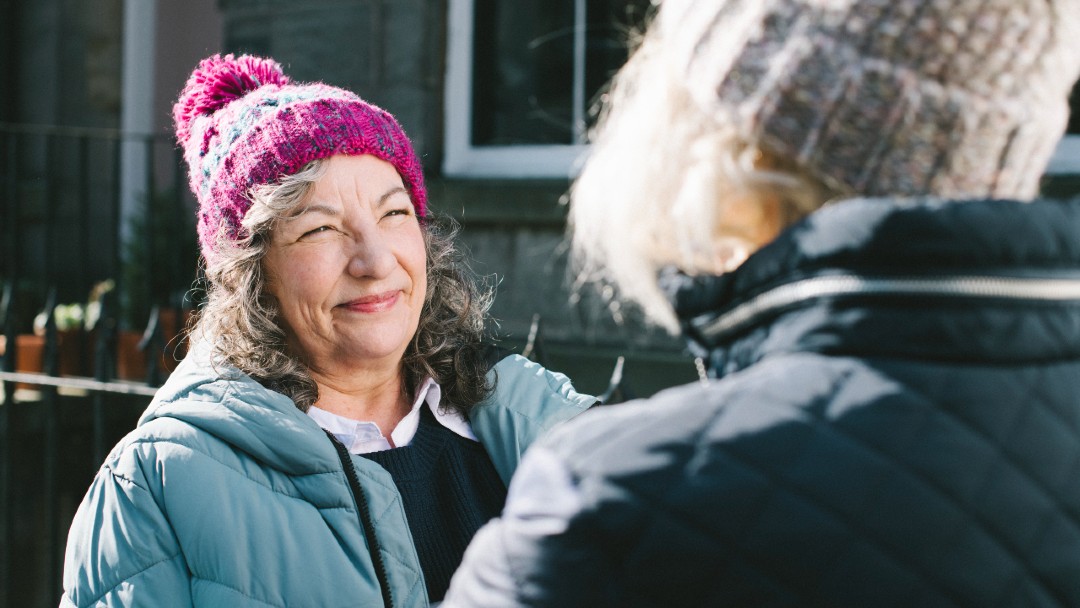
x=241 y=323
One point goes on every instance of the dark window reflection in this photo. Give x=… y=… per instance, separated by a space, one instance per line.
x=612 y=24
x=523 y=65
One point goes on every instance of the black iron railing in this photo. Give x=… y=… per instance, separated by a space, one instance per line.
x=79 y=206
x=55 y=429
x=67 y=198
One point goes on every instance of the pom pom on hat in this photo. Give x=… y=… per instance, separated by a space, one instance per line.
x=220 y=80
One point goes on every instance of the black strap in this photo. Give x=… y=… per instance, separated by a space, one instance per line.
x=365 y=519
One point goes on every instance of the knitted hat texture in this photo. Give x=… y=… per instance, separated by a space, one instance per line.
x=956 y=98
x=242 y=123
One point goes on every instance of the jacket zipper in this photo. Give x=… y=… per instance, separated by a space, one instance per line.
x=366 y=523
x=784 y=296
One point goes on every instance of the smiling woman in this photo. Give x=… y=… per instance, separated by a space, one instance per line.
x=346 y=273
x=337 y=433
x=348 y=270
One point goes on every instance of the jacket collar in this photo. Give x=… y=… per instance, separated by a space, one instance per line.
x=218 y=399
x=822 y=284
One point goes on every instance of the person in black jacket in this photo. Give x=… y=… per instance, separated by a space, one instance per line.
x=833 y=200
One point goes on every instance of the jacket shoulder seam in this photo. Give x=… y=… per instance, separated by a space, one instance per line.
x=128 y=577
x=124 y=478
x=226 y=466
x=234 y=590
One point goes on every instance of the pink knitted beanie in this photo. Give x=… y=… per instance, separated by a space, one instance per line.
x=242 y=123
x=955 y=98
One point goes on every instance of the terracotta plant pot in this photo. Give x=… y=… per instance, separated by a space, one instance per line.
x=69 y=343
x=170 y=320
x=130 y=361
x=29 y=356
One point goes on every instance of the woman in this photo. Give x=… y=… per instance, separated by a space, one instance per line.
x=334 y=437
x=893 y=325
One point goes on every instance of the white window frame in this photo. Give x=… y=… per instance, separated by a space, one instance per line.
x=462 y=158
x=1066 y=159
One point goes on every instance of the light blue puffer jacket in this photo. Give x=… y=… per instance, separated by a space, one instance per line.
x=227 y=495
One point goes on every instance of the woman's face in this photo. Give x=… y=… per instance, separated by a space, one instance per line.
x=348 y=268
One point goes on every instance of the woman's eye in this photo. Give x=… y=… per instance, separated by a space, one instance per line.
x=317 y=230
x=400 y=211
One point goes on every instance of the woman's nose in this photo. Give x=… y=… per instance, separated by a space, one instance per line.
x=372 y=255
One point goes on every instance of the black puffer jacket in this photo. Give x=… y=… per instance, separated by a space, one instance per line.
x=896 y=423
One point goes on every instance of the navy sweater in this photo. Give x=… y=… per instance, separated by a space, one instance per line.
x=449 y=488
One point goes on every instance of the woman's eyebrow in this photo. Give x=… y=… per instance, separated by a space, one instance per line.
x=333 y=211
x=314 y=208
x=389 y=193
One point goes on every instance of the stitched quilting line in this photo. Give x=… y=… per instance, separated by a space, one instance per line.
x=939 y=490
x=729 y=394
x=237 y=472
x=1024 y=472
x=128 y=577
x=236 y=390
x=1068 y=424
x=417 y=575
x=362 y=472
x=858 y=531
x=1013 y=587
x=350 y=603
x=121 y=477
x=943 y=491
x=656 y=505
x=779 y=485
x=202 y=432
x=234 y=590
x=1023 y=414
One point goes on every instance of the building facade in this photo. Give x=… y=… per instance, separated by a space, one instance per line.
x=494 y=93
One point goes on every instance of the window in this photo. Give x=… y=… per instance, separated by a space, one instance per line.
x=1067 y=157
x=521 y=76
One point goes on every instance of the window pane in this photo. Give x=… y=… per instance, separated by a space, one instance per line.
x=612 y=24
x=523 y=72
x=523 y=65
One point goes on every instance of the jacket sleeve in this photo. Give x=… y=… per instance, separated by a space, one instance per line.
x=121 y=550
x=528 y=400
x=527 y=557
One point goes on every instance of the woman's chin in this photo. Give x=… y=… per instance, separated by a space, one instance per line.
x=375 y=348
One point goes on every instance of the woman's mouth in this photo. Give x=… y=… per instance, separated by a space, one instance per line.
x=373 y=303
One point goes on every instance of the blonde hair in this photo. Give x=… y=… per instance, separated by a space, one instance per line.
x=668 y=184
x=241 y=323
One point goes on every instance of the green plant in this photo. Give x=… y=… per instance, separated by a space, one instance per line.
x=76 y=315
x=67 y=317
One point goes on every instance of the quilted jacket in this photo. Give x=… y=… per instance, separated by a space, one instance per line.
x=227 y=495
x=895 y=421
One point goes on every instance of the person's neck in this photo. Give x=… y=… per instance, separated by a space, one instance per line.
x=365 y=395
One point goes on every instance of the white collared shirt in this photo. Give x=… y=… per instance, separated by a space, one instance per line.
x=364 y=436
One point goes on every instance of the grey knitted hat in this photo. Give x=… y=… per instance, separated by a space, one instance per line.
x=956 y=98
